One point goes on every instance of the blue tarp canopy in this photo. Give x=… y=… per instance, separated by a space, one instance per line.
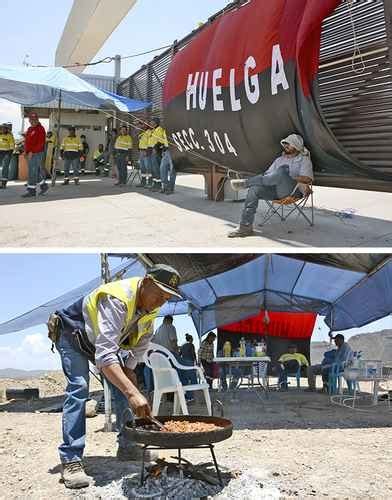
x=33 y=86
x=345 y=297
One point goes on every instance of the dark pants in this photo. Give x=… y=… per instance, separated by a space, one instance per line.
x=208 y=371
x=288 y=368
x=266 y=187
x=122 y=167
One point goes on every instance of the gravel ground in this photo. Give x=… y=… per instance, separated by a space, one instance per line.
x=294 y=444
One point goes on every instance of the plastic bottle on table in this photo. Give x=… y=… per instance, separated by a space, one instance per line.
x=227 y=349
x=242 y=347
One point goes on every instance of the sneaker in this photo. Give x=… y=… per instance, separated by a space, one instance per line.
x=134 y=454
x=76 y=181
x=44 y=188
x=73 y=475
x=238 y=184
x=65 y=182
x=3 y=184
x=242 y=232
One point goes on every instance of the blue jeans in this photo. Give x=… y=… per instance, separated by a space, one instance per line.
x=143 y=161
x=266 y=187
x=155 y=163
x=75 y=368
x=71 y=163
x=168 y=173
x=5 y=158
x=122 y=166
x=36 y=170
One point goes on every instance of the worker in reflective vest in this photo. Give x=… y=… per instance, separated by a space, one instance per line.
x=7 y=145
x=123 y=149
x=143 y=157
x=111 y=327
x=100 y=160
x=157 y=137
x=71 y=150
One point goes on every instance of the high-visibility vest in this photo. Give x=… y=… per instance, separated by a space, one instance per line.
x=158 y=135
x=97 y=154
x=7 y=142
x=72 y=145
x=123 y=143
x=126 y=292
x=143 y=139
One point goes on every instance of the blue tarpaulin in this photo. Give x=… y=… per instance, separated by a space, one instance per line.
x=346 y=298
x=33 y=86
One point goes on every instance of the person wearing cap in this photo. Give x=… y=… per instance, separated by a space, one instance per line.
x=111 y=327
x=279 y=181
x=71 y=150
x=35 y=142
x=50 y=148
x=343 y=355
x=123 y=150
x=157 y=139
x=7 y=145
x=144 y=137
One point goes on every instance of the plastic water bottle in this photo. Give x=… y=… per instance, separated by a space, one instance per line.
x=242 y=347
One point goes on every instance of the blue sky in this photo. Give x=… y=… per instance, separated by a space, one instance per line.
x=34 y=28
x=29 y=280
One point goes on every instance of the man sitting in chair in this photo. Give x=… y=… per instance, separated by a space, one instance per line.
x=279 y=181
x=288 y=364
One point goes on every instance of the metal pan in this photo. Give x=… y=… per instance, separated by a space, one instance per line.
x=141 y=431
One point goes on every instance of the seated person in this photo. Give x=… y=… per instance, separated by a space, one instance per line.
x=343 y=354
x=99 y=159
x=292 y=167
x=289 y=364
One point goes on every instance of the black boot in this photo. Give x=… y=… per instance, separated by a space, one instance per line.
x=30 y=193
x=65 y=181
x=3 y=184
x=44 y=188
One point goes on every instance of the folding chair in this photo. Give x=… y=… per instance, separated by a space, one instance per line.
x=133 y=174
x=292 y=204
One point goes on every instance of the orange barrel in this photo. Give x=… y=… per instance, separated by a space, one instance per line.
x=23 y=171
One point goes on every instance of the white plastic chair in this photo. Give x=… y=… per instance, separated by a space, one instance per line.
x=166 y=380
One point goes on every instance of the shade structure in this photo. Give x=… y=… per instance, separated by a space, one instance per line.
x=277 y=283
x=33 y=86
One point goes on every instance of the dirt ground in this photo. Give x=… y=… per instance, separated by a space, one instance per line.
x=297 y=442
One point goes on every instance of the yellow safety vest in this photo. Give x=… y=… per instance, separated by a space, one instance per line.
x=158 y=135
x=72 y=144
x=7 y=142
x=143 y=139
x=126 y=292
x=97 y=154
x=124 y=143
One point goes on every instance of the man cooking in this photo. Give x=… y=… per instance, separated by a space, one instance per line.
x=279 y=181
x=112 y=327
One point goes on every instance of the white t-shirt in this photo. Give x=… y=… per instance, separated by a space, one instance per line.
x=299 y=166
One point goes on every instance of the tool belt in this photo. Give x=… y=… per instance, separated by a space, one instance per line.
x=78 y=337
x=54 y=329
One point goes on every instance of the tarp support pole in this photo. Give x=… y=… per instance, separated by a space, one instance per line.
x=57 y=148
